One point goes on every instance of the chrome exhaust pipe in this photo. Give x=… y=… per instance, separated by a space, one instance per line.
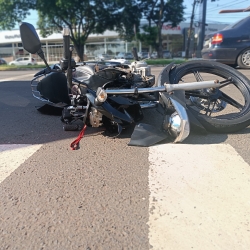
x=166 y=88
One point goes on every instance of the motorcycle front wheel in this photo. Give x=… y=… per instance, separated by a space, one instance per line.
x=222 y=110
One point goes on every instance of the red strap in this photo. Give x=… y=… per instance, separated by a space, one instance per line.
x=75 y=144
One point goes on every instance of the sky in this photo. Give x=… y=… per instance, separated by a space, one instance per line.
x=212 y=15
x=213 y=8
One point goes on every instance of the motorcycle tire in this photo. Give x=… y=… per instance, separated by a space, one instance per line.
x=225 y=110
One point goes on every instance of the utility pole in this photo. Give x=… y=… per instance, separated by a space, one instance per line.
x=190 y=30
x=202 y=30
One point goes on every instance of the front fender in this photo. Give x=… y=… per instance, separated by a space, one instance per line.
x=179 y=96
x=195 y=124
x=164 y=76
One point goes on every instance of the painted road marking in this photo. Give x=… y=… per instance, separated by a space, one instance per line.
x=13 y=155
x=16 y=77
x=199 y=198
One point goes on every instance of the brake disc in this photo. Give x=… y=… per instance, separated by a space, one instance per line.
x=208 y=105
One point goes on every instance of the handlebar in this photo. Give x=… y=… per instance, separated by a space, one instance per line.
x=48 y=70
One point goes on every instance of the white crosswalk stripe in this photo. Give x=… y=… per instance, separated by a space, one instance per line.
x=13 y=155
x=199 y=197
x=199 y=194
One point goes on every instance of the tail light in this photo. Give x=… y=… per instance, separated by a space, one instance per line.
x=217 y=39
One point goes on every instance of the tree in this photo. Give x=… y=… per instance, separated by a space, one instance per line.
x=149 y=36
x=82 y=17
x=13 y=12
x=158 y=12
x=129 y=19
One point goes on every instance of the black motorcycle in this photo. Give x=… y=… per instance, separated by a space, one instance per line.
x=202 y=95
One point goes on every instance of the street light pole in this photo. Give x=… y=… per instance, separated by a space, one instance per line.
x=190 y=31
x=203 y=25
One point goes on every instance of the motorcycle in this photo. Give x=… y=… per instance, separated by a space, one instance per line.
x=199 y=95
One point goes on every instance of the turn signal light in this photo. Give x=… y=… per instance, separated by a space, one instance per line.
x=217 y=39
x=101 y=95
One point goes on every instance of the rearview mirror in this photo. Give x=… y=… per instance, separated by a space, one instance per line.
x=30 y=39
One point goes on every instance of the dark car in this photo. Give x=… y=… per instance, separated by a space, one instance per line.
x=143 y=55
x=229 y=46
x=123 y=55
x=2 y=61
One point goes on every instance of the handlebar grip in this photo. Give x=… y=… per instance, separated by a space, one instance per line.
x=41 y=72
x=46 y=71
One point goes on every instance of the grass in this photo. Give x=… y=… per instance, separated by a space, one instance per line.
x=19 y=67
x=164 y=61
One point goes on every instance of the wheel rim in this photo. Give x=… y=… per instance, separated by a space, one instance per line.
x=246 y=58
x=228 y=102
x=204 y=105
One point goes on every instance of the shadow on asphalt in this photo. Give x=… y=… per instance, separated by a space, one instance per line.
x=21 y=123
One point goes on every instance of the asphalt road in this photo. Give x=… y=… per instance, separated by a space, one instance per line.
x=97 y=197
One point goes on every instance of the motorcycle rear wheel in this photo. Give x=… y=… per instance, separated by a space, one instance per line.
x=223 y=110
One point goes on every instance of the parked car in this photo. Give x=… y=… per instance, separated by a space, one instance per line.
x=143 y=55
x=154 y=55
x=123 y=55
x=2 y=61
x=120 y=60
x=122 y=63
x=167 y=54
x=23 y=61
x=103 y=57
x=229 y=46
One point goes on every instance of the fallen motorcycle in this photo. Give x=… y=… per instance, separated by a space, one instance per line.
x=199 y=95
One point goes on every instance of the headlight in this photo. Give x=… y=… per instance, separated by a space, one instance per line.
x=101 y=95
x=172 y=124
